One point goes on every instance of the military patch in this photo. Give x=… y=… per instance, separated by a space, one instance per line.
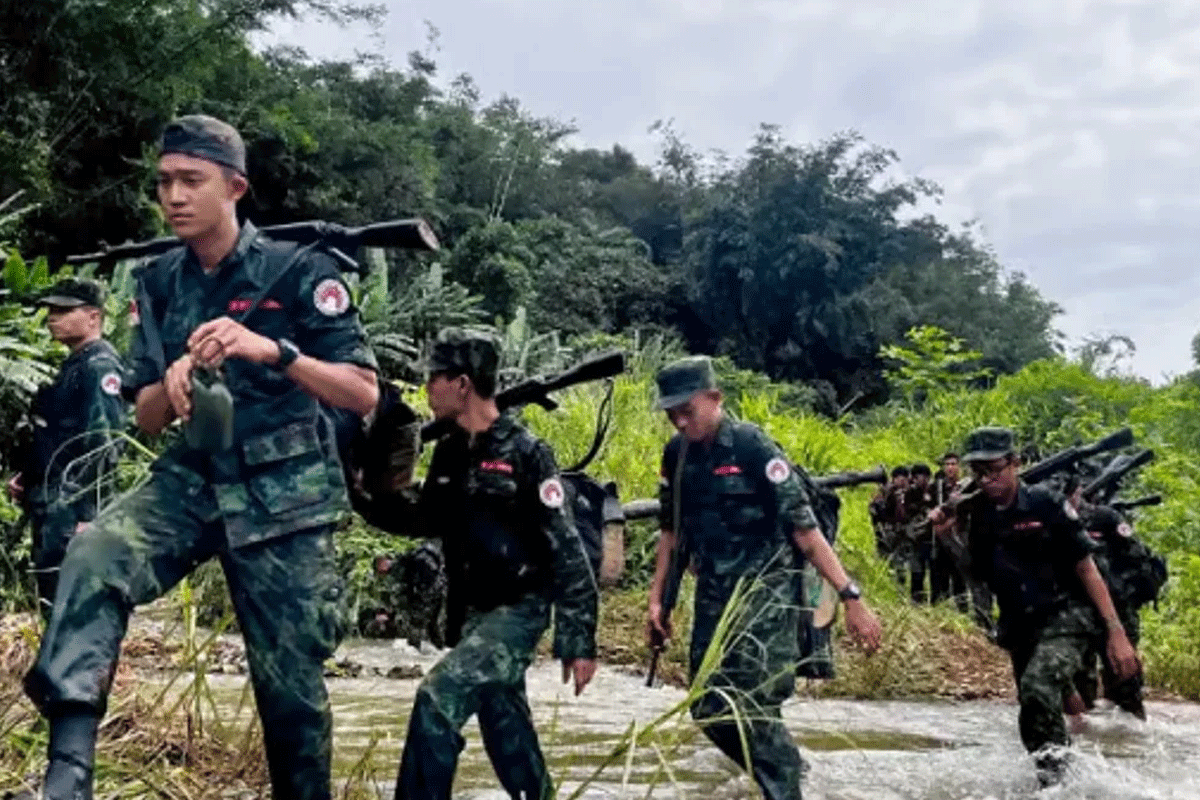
x=331 y=297
x=1070 y=511
x=728 y=469
x=778 y=470
x=496 y=466
x=111 y=384
x=1125 y=529
x=550 y=492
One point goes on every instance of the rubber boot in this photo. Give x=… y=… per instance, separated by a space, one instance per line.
x=72 y=754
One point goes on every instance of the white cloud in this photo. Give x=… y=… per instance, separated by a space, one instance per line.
x=1069 y=129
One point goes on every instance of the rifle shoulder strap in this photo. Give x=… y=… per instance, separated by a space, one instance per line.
x=677 y=491
x=297 y=254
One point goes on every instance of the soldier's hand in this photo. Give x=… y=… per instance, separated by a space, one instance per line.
x=658 y=630
x=16 y=489
x=222 y=338
x=863 y=625
x=178 y=383
x=1122 y=656
x=582 y=669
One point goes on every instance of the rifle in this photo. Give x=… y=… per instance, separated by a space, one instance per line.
x=339 y=240
x=649 y=508
x=1125 y=505
x=537 y=390
x=1060 y=461
x=1104 y=485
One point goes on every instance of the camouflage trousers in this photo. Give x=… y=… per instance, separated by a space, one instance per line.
x=1044 y=666
x=287 y=593
x=758 y=653
x=484 y=674
x=1127 y=693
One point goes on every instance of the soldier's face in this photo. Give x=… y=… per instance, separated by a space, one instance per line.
x=697 y=420
x=997 y=478
x=950 y=467
x=71 y=325
x=447 y=396
x=196 y=195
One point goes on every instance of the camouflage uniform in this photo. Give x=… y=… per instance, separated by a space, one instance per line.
x=512 y=553
x=266 y=508
x=75 y=419
x=1027 y=554
x=918 y=502
x=1120 y=557
x=740 y=503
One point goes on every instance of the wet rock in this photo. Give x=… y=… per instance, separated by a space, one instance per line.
x=405 y=672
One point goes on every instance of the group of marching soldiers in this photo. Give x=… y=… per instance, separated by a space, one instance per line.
x=915 y=548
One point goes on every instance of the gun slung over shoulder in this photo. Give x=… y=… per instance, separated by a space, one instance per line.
x=409 y=234
x=647 y=509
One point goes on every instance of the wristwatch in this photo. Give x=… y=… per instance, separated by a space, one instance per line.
x=850 y=591
x=288 y=353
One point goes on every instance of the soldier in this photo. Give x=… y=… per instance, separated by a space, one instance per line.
x=728 y=492
x=494 y=496
x=75 y=420
x=1123 y=561
x=888 y=507
x=918 y=502
x=1027 y=544
x=260 y=489
x=950 y=573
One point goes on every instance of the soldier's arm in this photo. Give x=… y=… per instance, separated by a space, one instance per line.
x=576 y=594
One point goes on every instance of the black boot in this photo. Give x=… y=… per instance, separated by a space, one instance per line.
x=72 y=753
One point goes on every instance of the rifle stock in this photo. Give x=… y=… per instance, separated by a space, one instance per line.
x=1148 y=500
x=536 y=390
x=412 y=234
x=1106 y=482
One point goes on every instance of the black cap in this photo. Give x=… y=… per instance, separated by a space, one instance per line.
x=466 y=352
x=679 y=381
x=73 y=292
x=988 y=444
x=208 y=138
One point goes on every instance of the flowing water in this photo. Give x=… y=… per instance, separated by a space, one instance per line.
x=857 y=750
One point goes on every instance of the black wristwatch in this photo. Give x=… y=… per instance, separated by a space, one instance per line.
x=288 y=353
x=850 y=591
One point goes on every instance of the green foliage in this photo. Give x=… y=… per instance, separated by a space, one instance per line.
x=934 y=361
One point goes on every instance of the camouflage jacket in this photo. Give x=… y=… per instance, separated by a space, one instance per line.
x=74 y=421
x=498 y=505
x=740 y=502
x=283 y=472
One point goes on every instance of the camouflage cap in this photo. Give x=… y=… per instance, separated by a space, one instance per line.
x=679 y=380
x=74 y=292
x=466 y=352
x=988 y=444
x=208 y=138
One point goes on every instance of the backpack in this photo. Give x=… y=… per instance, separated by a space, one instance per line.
x=591 y=507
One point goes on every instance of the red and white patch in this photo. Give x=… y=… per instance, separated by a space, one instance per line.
x=551 y=493
x=331 y=297
x=135 y=318
x=240 y=305
x=728 y=469
x=111 y=384
x=1125 y=529
x=777 y=470
x=496 y=466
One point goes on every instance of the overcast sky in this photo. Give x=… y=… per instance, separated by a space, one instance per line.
x=1070 y=129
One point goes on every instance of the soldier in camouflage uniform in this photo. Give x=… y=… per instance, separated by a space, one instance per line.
x=494 y=496
x=740 y=510
x=918 y=502
x=266 y=506
x=1028 y=545
x=75 y=424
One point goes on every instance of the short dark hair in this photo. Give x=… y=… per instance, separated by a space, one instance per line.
x=949 y=455
x=900 y=471
x=920 y=469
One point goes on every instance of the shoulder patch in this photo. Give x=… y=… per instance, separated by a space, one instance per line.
x=1070 y=511
x=1125 y=529
x=331 y=297
x=777 y=470
x=111 y=383
x=550 y=492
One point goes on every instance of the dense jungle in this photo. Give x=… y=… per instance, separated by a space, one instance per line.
x=845 y=318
